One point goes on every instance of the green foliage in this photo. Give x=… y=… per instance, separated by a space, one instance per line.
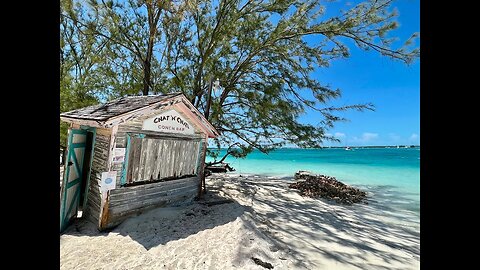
x=80 y=77
x=258 y=49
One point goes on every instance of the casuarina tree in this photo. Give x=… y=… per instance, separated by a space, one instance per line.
x=263 y=53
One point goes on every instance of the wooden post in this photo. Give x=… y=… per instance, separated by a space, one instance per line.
x=203 y=163
x=202 y=188
x=103 y=221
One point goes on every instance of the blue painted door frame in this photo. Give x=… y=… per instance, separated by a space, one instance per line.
x=71 y=186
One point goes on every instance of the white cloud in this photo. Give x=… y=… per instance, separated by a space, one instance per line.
x=367 y=137
x=339 y=135
x=413 y=137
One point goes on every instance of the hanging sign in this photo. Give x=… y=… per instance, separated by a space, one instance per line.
x=169 y=121
x=108 y=180
x=118 y=155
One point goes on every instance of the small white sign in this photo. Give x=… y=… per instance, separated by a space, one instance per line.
x=108 y=180
x=169 y=121
x=118 y=155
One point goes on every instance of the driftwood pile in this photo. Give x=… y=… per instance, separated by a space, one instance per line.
x=322 y=186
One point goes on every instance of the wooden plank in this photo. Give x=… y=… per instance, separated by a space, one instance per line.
x=178 y=152
x=154 y=160
x=94 y=198
x=140 y=161
x=145 y=164
x=185 y=157
x=178 y=158
x=120 y=141
x=100 y=153
x=150 y=160
x=166 y=158
x=193 y=158
x=150 y=200
x=94 y=202
x=133 y=194
x=104 y=132
x=120 y=212
x=111 y=147
x=136 y=161
x=188 y=158
x=165 y=201
x=195 y=162
x=78 y=122
x=136 y=199
x=143 y=158
x=171 y=161
x=166 y=184
x=104 y=212
x=132 y=156
x=158 y=159
x=191 y=153
x=160 y=135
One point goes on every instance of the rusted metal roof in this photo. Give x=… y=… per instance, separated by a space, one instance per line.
x=116 y=107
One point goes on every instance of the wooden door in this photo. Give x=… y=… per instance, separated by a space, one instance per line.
x=72 y=180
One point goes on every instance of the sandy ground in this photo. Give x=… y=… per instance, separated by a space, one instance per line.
x=267 y=220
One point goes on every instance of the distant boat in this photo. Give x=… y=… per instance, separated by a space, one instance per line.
x=398 y=146
x=348 y=148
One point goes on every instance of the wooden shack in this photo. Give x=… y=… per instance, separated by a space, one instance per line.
x=132 y=154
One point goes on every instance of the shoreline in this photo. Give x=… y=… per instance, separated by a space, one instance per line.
x=384 y=192
x=265 y=220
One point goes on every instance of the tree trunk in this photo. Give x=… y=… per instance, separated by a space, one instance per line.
x=146 y=77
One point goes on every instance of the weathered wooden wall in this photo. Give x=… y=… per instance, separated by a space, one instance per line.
x=126 y=201
x=158 y=154
x=135 y=126
x=99 y=165
x=160 y=158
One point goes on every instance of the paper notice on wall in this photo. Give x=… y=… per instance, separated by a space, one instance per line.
x=118 y=155
x=108 y=180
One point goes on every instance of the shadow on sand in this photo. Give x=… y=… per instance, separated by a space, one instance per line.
x=162 y=225
x=307 y=232
x=293 y=225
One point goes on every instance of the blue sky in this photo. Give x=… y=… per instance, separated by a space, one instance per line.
x=392 y=86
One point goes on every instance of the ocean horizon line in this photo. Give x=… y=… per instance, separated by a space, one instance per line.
x=341 y=147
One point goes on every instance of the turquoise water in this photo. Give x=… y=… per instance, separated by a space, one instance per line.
x=392 y=174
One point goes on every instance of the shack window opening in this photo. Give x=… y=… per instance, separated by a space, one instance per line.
x=153 y=159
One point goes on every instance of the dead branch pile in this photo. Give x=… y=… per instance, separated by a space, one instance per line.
x=323 y=186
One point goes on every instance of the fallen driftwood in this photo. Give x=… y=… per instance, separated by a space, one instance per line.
x=328 y=187
x=262 y=263
x=219 y=168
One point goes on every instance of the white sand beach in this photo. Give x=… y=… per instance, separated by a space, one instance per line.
x=266 y=220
